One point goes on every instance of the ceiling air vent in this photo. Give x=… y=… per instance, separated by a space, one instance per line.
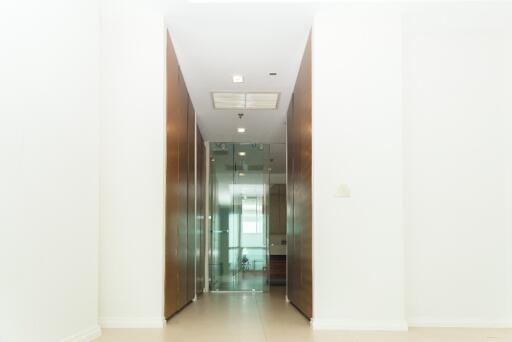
x=228 y=100
x=233 y=100
x=261 y=100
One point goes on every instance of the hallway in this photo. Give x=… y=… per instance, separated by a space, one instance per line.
x=166 y=165
x=267 y=317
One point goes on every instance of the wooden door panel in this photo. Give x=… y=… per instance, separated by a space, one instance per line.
x=201 y=188
x=183 y=185
x=191 y=198
x=172 y=184
x=299 y=217
x=180 y=185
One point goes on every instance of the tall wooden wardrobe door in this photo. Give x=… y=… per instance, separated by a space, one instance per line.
x=300 y=274
x=172 y=206
x=180 y=206
x=191 y=199
x=200 y=221
x=290 y=238
x=183 y=193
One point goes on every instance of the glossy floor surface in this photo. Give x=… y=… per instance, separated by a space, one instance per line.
x=237 y=317
x=243 y=281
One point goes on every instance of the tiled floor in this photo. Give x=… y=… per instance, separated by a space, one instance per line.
x=243 y=281
x=266 y=317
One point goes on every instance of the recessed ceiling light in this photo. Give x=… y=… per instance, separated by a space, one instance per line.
x=241 y=174
x=272 y=73
x=238 y=79
x=240 y=130
x=241 y=154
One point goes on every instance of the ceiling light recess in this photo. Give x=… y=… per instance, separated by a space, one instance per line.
x=234 y=100
x=241 y=154
x=240 y=130
x=238 y=79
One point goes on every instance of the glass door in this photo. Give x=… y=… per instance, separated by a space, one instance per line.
x=239 y=189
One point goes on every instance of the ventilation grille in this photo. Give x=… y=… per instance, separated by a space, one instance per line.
x=232 y=100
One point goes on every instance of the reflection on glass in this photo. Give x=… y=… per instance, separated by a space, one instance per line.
x=239 y=189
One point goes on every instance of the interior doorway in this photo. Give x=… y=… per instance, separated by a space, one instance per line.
x=245 y=225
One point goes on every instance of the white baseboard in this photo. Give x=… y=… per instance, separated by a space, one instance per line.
x=132 y=322
x=458 y=323
x=335 y=324
x=85 y=335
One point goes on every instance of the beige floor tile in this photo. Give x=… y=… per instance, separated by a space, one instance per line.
x=266 y=317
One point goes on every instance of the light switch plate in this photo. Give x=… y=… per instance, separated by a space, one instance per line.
x=343 y=191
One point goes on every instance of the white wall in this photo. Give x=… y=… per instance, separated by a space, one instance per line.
x=458 y=165
x=447 y=143
x=132 y=166
x=49 y=170
x=358 y=244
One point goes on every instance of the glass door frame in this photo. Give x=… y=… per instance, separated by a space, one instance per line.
x=214 y=232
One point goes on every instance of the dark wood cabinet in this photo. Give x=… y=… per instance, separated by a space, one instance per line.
x=180 y=208
x=277 y=209
x=172 y=207
x=191 y=198
x=299 y=209
x=182 y=121
x=200 y=214
x=277 y=269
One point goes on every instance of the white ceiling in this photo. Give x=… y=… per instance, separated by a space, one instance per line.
x=215 y=41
